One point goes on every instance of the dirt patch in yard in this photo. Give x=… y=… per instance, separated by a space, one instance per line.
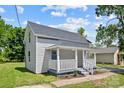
x=99 y=72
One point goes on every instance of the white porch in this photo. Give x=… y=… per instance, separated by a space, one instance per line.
x=69 y=59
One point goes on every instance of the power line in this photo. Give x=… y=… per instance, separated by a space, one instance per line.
x=17 y=16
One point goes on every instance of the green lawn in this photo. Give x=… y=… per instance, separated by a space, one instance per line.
x=110 y=65
x=109 y=82
x=14 y=75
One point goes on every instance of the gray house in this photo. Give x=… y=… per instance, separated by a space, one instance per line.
x=55 y=50
x=107 y=55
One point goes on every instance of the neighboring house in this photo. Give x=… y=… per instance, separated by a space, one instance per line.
x=55 y=50
x=107 y=55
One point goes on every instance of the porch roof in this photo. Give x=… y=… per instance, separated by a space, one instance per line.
x=70 y=47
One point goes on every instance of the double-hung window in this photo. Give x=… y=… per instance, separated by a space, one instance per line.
x=29 y=37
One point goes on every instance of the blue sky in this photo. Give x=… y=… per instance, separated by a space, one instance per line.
x=64 y=17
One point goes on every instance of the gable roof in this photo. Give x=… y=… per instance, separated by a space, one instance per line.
x=106 y=50
x=42 y=30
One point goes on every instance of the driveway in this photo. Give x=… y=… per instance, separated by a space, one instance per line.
x=115 y=70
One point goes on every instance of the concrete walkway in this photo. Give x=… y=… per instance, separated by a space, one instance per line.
x=64 y=82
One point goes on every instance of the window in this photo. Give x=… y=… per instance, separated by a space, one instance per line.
x=29 y=56
x=54 y=55
x=29 y=37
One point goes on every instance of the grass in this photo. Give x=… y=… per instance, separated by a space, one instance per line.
x=113 y=81
x=110 y=65
x=15 y=74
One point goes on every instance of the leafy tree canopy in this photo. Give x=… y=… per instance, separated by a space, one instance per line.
x=111 y=33
x=81 y=31
x=11 y=42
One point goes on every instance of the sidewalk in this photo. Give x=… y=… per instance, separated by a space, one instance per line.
x=64 y=82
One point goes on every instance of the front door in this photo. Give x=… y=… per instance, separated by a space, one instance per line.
x=80 y=59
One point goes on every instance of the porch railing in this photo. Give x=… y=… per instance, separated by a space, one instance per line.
x=53 y=64
x=89 y=63
x=69 y=64
x=65 y=64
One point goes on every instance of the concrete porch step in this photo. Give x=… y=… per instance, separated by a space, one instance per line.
x=83 y=71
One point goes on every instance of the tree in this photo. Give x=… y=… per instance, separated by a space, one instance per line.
x=14 y=47
x=81 y=31
x=110 y=33
x=95 y=45
x=11 y=42
x=2 y=32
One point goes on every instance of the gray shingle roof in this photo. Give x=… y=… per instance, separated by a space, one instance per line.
x=106 y=50
x=56 y=33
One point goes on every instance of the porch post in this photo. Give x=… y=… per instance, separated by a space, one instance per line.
x=58 y=61
x=76 y=59
x=95 y=59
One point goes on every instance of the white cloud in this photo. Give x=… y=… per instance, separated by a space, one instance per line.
x=9 y=20
x=38 y=22
x=20 y=9
x=2 y=10
x=111 y=16
x=58 y=13
x=84 y=7
x=61 y=9
x=96 y=24
x=72 y=24
x=87 y=16
x=24 y=22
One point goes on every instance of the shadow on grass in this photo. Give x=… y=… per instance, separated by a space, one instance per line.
x=115 y=70
x=49 y=74
x=22 y=69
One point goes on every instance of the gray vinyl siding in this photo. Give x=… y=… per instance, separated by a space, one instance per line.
x=42 y=59
x=67 y=54
x=105 y=58
x=43 y=55
x=39 y=55
x=32 y=48
x=62 y=42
